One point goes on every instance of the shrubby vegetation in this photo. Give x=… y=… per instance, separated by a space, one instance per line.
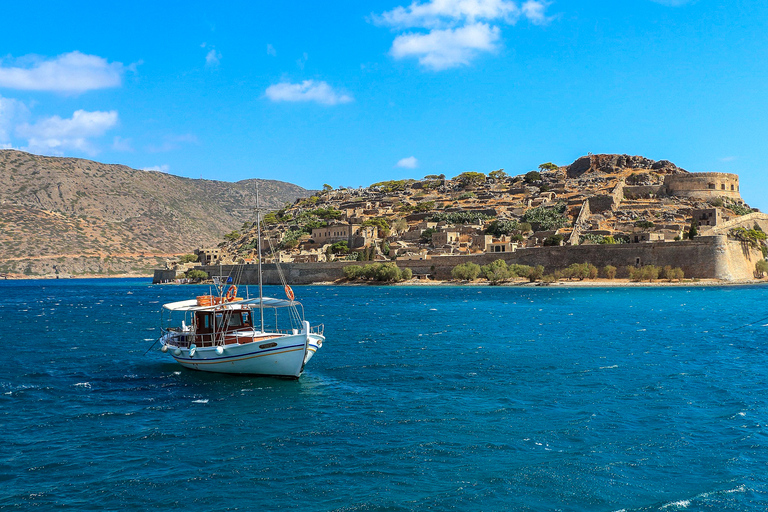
x=459 y=217
x=498 y=175
x=470 y=179
x=498 y=228
x=385 y=272
x=381 y=223
x=761 y=268
x=644 y=224
x=391 y=185
x=600 y=239
x=737 y=208
x=187 y=258
x=498 y=271
x=549 y=166
x=553 y=240
x=532 y=177
x=651 y=272
x=754 y=237
x=421 y=207
x=466 y=271
x=547 y=218
x=426 y=235
x=196 y=274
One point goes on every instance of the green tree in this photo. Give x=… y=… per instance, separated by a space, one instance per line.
x=466 y=271
x=761 y=267
x=496 y=272
x=532 y=176
x=549 y=166
x=187 y=258
x=470 y=179
x=196 y=274
x=426 y=235
x=536 y=273
x=400 y=226
x=693 y=232
x=339 y=247
x=232 y=236
x=381 y=224
x=327 y=187
x=609 y=271
x=498 y=175
x=644 y=224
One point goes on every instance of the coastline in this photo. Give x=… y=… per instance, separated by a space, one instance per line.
x=593 y=283
x=587 y=283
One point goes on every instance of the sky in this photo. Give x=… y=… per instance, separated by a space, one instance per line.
x=349 y=93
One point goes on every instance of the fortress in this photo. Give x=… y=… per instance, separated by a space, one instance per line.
x=703 y=185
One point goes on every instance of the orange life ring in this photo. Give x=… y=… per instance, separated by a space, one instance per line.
x=231 y=293
x=289 y=292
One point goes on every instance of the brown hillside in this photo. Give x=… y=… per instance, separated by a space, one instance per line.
x=55 y=209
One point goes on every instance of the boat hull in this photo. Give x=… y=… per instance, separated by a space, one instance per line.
x=284 y=356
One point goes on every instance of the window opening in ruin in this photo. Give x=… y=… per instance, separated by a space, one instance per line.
x=637 y=262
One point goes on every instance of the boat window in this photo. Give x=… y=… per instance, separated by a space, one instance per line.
x=235 y=320
x=246 y=318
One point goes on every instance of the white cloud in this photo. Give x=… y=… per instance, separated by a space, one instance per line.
x=456 y=31
x=12 y=112
x=54 y=134
x=533 y=10
x=212 y=58
x=73 y=72
x=442 y=49
x=271 y=50
x=408 y=163
x=308 y=90
x=442 y=13
x=157 y=168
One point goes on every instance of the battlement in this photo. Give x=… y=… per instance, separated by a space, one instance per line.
x=703 y=185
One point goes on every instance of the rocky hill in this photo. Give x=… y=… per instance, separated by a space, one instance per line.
x=598 y=199
x=74 y=216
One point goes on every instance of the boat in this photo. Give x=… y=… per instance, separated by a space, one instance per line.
x=221 y=332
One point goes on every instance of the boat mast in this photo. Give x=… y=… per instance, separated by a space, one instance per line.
x=258 y=249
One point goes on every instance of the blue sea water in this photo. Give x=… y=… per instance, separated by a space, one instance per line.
x=422 y=398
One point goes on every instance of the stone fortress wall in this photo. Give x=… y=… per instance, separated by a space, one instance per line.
x=710 y=257
x=703 y=185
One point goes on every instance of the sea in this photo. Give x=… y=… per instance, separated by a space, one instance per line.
x=422 y=398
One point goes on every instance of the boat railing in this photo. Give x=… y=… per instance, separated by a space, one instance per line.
x=177 y=337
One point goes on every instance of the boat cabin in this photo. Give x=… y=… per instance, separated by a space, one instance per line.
x=213 y=324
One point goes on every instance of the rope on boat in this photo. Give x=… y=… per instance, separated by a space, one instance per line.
x=152 y=345
x=294 y=312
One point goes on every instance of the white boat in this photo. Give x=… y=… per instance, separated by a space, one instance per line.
x=231 y=336
x=224 y=333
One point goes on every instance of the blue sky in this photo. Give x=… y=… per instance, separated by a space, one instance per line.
x=349 y=93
